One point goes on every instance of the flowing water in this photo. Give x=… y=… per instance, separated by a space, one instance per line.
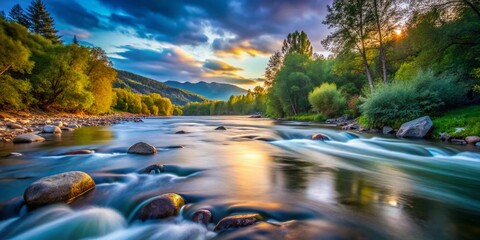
x=352 y=187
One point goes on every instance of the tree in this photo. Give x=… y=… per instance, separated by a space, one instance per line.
x=387 y=16
x=351 y=21
x=327 y=100
x=297 y=42
x=75 y=41
x=14 y=55
x=2 y=15
x=101 y=76
x=273 y=66
x=59 y=80
x=442 y=5
x=41 y=22
x=18 y=15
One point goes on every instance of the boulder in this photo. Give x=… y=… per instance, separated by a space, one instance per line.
x=417 y=128
x=319 y=137
x=52 y=129
x=387 y=130
x=142 y=148
x=79 y=152
x=180 y=132
x=63 y=187
x=28 y=138
x=472 y=139
x=202 y=216
x=221 y=128
x=163 y=206
x=153 y=169
x=58 y=124
x=238 y=221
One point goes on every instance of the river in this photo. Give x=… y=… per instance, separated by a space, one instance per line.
x=351 y=187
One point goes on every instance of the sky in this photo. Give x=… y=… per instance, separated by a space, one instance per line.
x=188 y=40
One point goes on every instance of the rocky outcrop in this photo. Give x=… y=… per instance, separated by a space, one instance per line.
x=417 y=128
x=63 y=187
x=163 y=206
x=238 y=221
x=202 y=216
x=142 y=148
x=28 y=138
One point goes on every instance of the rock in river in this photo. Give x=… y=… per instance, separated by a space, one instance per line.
x=319 y=137
x=28 y=138
x=202 y=216
x=238 y=221
x=221 y=128
x=154 y=169
x=417 y=128
x=63 y=187
x=142 y=148
x=52 y=129
x=79 y=152
x=163 y=206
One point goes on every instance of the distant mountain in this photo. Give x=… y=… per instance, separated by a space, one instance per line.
x=213 y=91
x=140 y=84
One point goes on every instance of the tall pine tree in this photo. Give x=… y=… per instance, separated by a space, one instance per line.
x=18 y=15
x=41 y=21
x=75 y=40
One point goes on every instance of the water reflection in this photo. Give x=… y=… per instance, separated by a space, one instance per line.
x=353 y=186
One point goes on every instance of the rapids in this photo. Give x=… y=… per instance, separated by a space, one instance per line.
x=354 y=186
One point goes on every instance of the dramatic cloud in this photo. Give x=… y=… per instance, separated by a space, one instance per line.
x=188 y=40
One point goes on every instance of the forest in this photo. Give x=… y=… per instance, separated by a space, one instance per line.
x=38 y=71
x=392 y=61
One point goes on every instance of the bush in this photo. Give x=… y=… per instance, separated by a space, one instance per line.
x=327 y=100
x=403 y=101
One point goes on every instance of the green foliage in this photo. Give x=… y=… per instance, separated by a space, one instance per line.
x=250 y=103
x=327 y=100
x=151 y=104
x=297 y=43
x=466 y=117
x=14 y=93
x=406 y=100
x=308 y=117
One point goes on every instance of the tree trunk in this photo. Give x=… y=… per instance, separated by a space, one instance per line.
x=380 y=39
x=5 y=69
x=367 y=68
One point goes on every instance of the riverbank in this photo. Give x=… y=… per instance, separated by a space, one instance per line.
x=13 y=124
x=459 y=126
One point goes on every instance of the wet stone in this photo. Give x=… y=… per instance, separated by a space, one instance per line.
x=319 y=137
x=236 y=221
x=142 y=148
x=202 y=216
x=154 y=169
x=163 y=206
x=28 y=138
x=221 y=128
x=79 y=152
x=63 y=187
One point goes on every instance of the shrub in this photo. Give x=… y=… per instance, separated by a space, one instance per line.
x=327 y=100
x=403 y=101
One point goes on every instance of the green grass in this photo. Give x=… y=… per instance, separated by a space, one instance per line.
x=308 y=117
x=467 y=117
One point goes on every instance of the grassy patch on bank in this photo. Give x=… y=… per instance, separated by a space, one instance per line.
x=308 y=117
x=467 y=118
